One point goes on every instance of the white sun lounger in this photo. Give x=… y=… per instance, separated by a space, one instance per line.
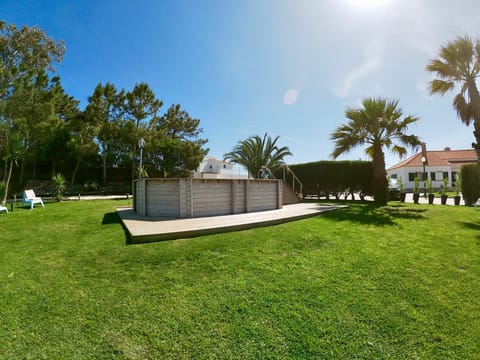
x=29 y=197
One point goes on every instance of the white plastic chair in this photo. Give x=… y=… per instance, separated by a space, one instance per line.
x=29 y=197
x=3 y=208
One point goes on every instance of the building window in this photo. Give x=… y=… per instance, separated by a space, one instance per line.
x=224 y=166
x=445 y=175
x=454 y=176
x=393 y=176
x=433 y=176
x=411 y=176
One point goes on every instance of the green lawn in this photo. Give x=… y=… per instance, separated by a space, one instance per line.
x=401 y=282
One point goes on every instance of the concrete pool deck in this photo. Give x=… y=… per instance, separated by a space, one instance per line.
x=143 y=229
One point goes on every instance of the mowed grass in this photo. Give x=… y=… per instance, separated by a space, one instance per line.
x=400 y=282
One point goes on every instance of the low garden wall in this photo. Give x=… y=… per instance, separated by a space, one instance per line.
x=183 y=198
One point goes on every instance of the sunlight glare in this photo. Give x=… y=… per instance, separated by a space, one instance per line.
x=369 y=4
x=290 y=97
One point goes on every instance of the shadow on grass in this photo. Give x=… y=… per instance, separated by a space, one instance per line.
x=370 y=214
x=471 y=226
x=112 y=218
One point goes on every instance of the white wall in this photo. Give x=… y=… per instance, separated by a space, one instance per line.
x=404 y=174
x=198 y=175
x=211 y=165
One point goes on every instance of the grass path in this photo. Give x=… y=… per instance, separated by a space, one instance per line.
x=400 y=282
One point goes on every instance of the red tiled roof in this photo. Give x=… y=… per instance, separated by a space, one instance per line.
x=439 y=158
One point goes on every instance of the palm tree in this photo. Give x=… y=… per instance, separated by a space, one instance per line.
x=459 y=64
x=378 y=124
x=254 y=153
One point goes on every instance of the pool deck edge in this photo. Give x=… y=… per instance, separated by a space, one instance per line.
x=142 y=229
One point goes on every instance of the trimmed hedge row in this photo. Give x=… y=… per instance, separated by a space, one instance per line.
x=325 y=178
x=470 y=175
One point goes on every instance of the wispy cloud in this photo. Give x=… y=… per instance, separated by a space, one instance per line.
x=422 y=30
x=422 y=87
x=372 y=62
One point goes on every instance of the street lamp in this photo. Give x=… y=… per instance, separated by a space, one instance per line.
x=424 y=160
x=141 y=145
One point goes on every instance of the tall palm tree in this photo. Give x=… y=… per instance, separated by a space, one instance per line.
x=378 y=124
x=255 y=152
x=459 y=64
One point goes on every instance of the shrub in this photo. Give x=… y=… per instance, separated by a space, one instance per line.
x=458 y=186
x=116 y=188
x=416 y=185
x=430 y=186
x=41 y=187
x=90 y=186
x=470 y=175
x=58 y=186
x=444 y=186
x=401 y=186
x=142 y=172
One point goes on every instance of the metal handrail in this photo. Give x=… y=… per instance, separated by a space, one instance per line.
x=264 y=170
x=294 y=178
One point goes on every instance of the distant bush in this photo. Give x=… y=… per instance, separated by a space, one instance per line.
x=47 y=188
x=470 y=175
x=91 y=185
x=41 y=187
x=116 y=188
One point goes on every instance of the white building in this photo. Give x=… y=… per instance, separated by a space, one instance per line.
x=211 y=168
x=436 y=165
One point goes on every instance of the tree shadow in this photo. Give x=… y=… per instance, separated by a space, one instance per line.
x=370 y=214
x=471 y=226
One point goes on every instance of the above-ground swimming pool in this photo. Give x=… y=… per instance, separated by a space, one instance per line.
x=183 y=198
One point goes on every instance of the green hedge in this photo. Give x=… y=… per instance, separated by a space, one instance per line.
x=326 y=178
x=470 y=183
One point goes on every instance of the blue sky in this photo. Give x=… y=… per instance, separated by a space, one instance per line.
x=244 y=67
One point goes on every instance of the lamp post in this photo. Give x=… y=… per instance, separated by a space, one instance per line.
x=424 y=160
x=141 y=145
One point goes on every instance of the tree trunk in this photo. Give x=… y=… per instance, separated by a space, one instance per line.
x=134 y=162
x=22 y=171
x=380 y=183
x=5 y=167
x=7 y=183
x=54 y=165
x=475 y=104
x=34 y=170
x=104 y=177
x=75 y=170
